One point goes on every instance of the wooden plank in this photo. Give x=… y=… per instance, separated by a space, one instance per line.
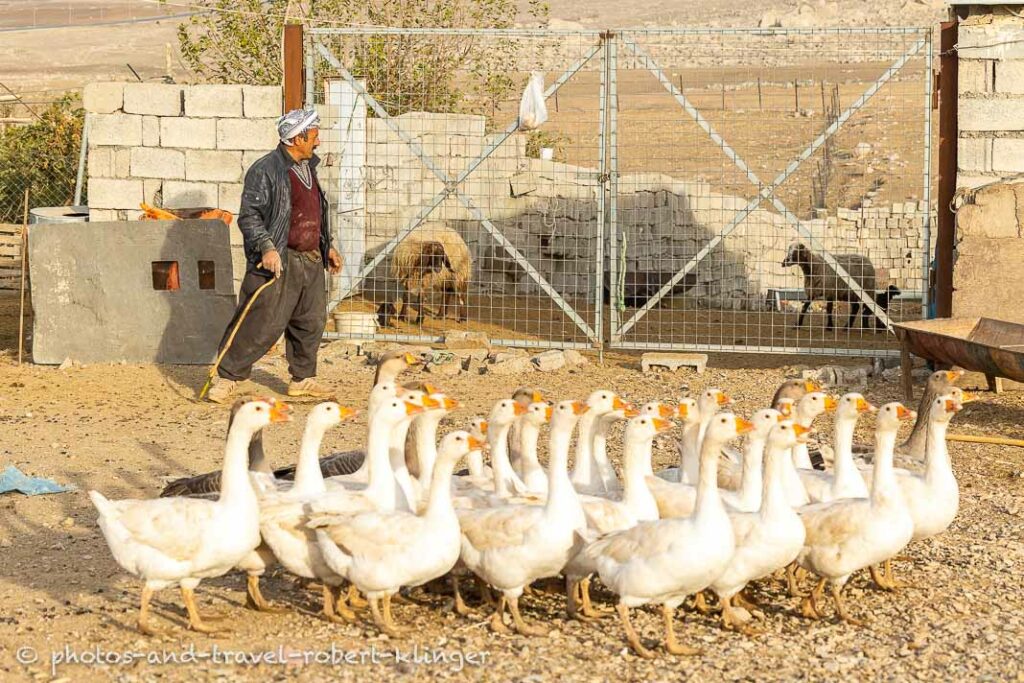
x=945 y=237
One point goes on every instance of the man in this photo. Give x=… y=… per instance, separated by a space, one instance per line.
x=284 y=224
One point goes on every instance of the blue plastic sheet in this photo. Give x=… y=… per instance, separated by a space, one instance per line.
x=13 y=479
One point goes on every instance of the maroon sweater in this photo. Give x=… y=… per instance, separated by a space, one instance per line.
x=304 y=234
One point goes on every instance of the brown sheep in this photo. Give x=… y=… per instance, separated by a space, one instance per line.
x=432 y=257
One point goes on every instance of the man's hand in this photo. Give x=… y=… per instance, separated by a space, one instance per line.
x=272 y=262
x=334 y=261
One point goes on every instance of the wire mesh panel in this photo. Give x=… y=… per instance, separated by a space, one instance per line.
x=450 y=214
x=762 y=178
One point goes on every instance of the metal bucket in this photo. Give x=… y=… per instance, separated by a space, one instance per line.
x=58 y=214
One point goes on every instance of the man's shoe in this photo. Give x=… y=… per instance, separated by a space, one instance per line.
x=221 y=390
x=309 y=387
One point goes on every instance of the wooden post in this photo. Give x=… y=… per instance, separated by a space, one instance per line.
x=907 y=371
x=294 y=82
x=948 y=134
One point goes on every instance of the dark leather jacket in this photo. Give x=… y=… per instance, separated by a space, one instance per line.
x=266 y=211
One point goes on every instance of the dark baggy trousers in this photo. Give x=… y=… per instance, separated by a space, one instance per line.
x=295 y=305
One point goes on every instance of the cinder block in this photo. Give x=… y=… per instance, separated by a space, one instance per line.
x=152 y=190
x=246 y=134
x=261 y=101
x=1008 y=155
x=1009 y=76
x=102 y=215
x=213 y=100
x=974 y=154
x=214 y=165
x=122 y=162
x=229 y=197
x=974 y=76
x=161 y=99
x=115 y=129
x=183 y=194
x=100 y=163
x=997 y=115
x=151 y=131
x=111 y=193
x=188 y=133
x=153 y=162
x=249 y=157
x=103 y=98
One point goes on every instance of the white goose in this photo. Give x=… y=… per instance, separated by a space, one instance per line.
x=769 y=538
x=697 y=418
x=933 y=496
x=473 y=492
x=524 y=396
x=853 y=533
x=592 y=473
x=536 y=480
x=381 y=552
x=475 y=460
x=667 y=560
x=636 y=505
x=424 y=436
x=747 y=496
x=509 y=547
x=803 y=412
x=181 y=541
x=845 y=481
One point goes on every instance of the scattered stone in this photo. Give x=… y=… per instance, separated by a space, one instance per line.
x=466 y=340
x=674 y=361
x=549 y=361
x=574 y=357
x=67 y=522
x=841 y=376
x=506 y=354
x=68 y=363
x=510 y=366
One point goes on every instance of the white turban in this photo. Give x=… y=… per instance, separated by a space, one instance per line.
x=296 y=122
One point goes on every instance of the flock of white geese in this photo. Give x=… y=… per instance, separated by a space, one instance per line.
x=402 y=517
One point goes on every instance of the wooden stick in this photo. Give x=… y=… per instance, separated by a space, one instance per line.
x=24 y=268
x=1000 y=440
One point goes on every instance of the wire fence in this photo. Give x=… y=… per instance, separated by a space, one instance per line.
x=661 y=204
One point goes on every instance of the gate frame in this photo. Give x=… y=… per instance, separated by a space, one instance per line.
x=452 y=185
x=628 y=38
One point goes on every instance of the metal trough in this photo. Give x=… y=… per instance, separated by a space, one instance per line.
x=992 y=347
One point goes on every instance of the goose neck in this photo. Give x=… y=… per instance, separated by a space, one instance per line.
x=937 y=464
x=883 y=485
x=235 y=485
x=583 y=468
x=773 y=492
x=308 y=477
x=751 y=472
x=381 y=478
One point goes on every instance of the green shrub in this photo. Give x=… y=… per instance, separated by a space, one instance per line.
x=43 y=157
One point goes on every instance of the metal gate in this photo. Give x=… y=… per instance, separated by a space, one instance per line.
x=656 y=207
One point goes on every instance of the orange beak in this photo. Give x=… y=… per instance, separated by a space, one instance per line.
x=538 y=397
x=810 y=386
x=723 y=399
x=952 y=406
x=618 y=404
x=549 y=412
x=664 y=412
x=631 y=410
x=518 y=409
x=683 y=410
x=449 y=403
x=661 y=425
x=802 y=433
x=279 y=412
x=412 y=360
x=830 y=403
x=429 y=388
x=782 y=418
x=954 y=375
x=431 y=403
x=483 y=426
x=968 y=397
x=786 y=409
x=904 y=414
x=476 y=444
x=347 y=412
x=413 y=409
x=864 y=407
x=578 y=407
x=743 y=426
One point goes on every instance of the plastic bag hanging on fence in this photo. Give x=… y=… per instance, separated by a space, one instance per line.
x=533 y=111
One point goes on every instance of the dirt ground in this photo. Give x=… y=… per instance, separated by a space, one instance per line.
x=126 y=429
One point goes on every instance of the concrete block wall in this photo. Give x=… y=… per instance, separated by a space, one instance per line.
x=175 y=146
x=990 y=97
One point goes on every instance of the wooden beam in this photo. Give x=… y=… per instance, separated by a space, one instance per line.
x=948 y=134
x=294 y=85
